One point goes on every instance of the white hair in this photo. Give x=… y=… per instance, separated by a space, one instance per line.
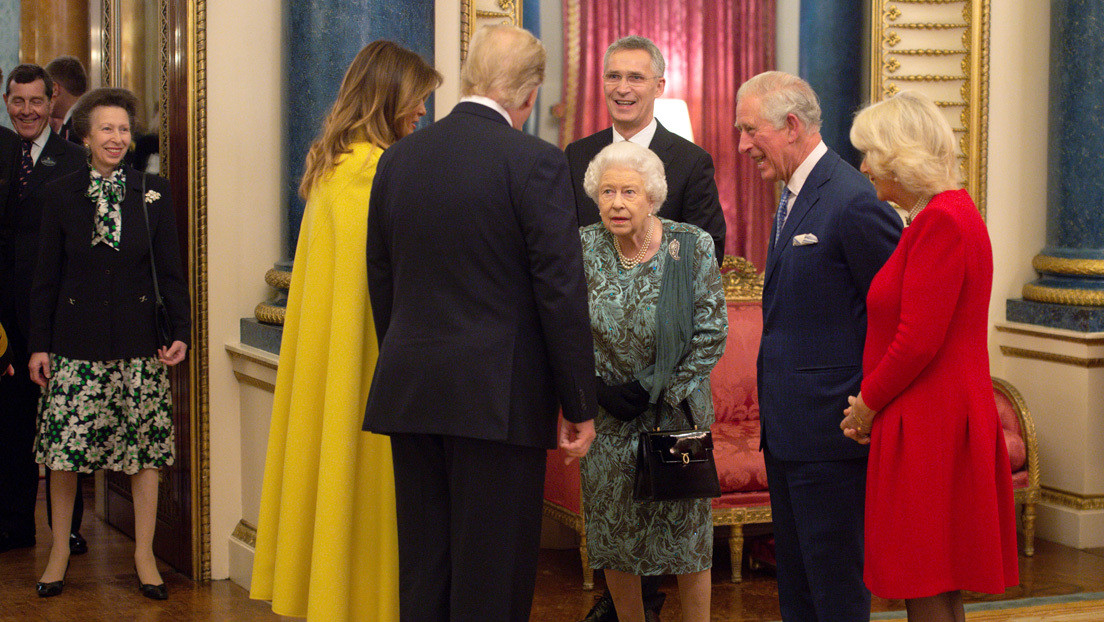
x=781 y=94
x=633 y=157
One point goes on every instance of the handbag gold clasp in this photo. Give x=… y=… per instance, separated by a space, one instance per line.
x=686 y=458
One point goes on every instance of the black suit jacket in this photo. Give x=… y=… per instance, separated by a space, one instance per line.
x=96 y=303
x=476 y=280
x=814 y=311
x=19 y=228
x=9 y=163
x=691 y=188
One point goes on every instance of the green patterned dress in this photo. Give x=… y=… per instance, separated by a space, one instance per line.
x=646 y=538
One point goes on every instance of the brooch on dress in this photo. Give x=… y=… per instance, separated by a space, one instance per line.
x=152 y=196
x=673 y=248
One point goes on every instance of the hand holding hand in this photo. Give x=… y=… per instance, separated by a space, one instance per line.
x=39 y=367
x=172 y=354
x=857 y=420
x=575 y=438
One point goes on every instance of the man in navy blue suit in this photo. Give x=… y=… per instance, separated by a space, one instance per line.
x=831 y=235
x=479 y=299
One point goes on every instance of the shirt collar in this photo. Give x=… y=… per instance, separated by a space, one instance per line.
x=797 y=180
x=643 y=137
x=39 y=143
x=490 y=103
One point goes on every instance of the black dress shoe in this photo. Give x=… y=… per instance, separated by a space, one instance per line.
x=53 y=588
x=156 y=592
x=77 y=544
x=603 y=610
x=9 y=541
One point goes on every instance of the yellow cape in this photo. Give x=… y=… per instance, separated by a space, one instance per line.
x=327 y=547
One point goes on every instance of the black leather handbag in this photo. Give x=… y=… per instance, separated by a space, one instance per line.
x=676 y=464
x=161 y=319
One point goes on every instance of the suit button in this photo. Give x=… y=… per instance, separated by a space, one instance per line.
x=105 y=303
x=766 y=331
x=108 y=271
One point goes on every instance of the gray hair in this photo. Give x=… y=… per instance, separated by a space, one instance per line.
x=504 y=63
x=781 y=94
x=631 y=156
x=907 y=138
x=636 y=42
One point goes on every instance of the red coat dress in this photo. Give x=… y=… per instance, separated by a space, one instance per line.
x=939 y=506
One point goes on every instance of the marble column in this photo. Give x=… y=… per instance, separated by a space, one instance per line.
x=1069 y=293
x=321 y=38
x=830 y=43
x=1053 y=341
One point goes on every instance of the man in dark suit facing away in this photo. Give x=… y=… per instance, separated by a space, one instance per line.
x=70 y=82
x=42 y=156
x=479 y=299
x=632 y=79
x=831 y=236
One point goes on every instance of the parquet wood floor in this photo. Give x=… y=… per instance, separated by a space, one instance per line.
x=100 y=586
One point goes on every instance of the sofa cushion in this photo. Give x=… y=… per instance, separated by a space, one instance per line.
x=740 y=465
x=735 y=393
x=1013 y=436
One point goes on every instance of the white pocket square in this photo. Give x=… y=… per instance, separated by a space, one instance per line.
x=804 y=239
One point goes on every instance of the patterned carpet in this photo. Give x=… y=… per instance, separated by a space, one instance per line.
x=1084 y=607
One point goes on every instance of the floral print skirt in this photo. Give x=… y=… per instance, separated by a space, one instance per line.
x=114 y=415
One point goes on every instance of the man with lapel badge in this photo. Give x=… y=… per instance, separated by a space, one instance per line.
x=830 y=237
x=632 y=79
x=42 y=156
x=479 y=299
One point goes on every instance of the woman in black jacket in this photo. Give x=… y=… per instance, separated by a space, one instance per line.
x=94 y=338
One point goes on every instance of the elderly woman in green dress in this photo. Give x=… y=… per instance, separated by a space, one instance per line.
x=644 y=274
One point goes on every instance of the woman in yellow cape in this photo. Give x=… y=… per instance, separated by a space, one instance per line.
x=326 y=542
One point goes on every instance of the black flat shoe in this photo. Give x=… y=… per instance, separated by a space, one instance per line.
x=156 y=592
x=53 y=588
x=77 y=544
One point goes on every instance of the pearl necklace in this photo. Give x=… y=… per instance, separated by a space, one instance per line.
x=920 y=204
x=629 y=263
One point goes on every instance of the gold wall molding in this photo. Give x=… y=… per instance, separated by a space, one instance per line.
x=1062 y=296
x=1003 y=328
x=476 y=13
x=1073 y=501
x=944 y=53
x=244 y=532
x=741 y=279
x=1062 y=265
x=1050 y=357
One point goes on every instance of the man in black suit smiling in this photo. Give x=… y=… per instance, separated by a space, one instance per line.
x=41 y=157
x=632 y=79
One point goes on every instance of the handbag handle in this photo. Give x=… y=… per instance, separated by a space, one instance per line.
x=684 y=405
x=149 y=238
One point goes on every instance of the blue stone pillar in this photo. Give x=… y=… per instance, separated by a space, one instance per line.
x=321 y=38
x=1070 y=291
x=830 y=46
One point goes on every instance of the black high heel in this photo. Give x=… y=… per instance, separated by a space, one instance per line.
x=149 y=590
x=53 y=588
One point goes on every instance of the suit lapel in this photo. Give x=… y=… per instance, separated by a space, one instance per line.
x=804 y=203
x=47 y=165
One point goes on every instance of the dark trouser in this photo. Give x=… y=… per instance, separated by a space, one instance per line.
x=469 y=516
x=78 y=504
x=18 y=471
x=817 y=510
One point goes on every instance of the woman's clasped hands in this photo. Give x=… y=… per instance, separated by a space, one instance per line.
x=857 y=419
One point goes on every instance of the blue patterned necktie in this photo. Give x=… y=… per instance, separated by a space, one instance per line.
x=25 y=165
x=780 y=217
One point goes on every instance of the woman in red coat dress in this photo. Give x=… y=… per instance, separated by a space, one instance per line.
x=939 y=505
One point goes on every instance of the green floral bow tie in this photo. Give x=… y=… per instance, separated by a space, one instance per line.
x=108 y=194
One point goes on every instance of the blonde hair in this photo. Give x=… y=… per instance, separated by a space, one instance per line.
x=383 y=87
x=505 y=63
x=907 y=138
x=781 y=94
x=633 y=157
